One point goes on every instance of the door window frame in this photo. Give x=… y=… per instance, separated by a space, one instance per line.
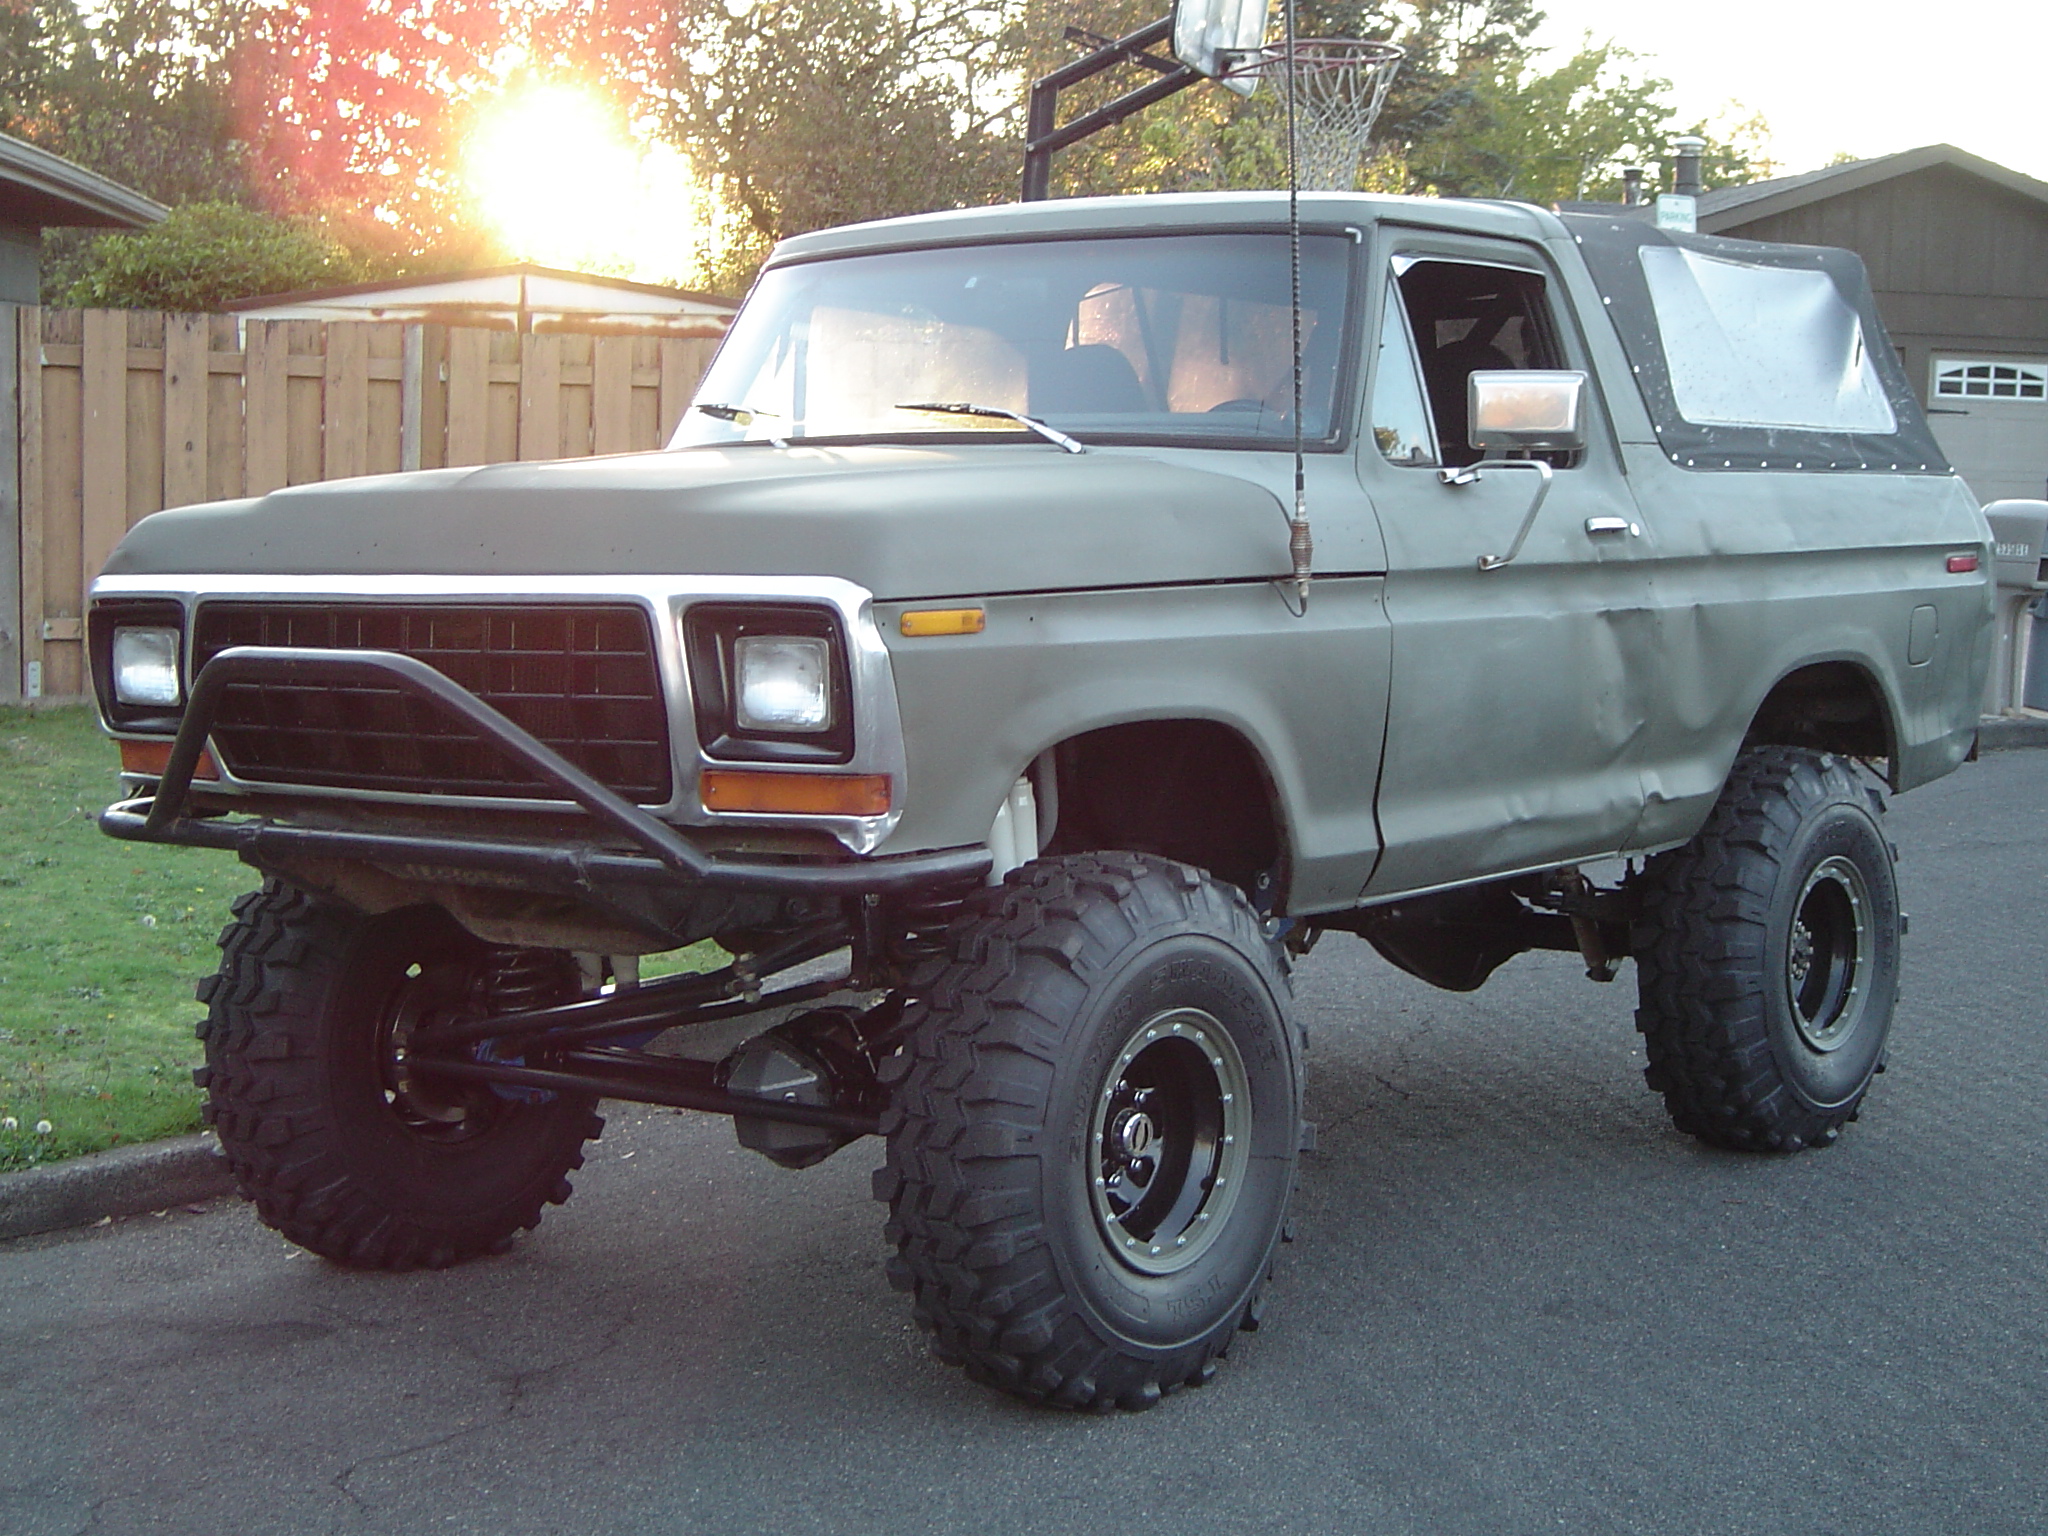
x=1405 y=247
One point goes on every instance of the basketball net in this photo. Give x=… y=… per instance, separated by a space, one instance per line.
x=1337 y=85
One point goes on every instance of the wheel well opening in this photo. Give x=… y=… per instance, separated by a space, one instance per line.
x=1192 y=790
x=1832 y=706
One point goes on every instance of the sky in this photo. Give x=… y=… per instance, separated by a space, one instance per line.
x=1869 y=77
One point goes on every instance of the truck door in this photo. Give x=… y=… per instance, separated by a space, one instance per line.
x=1515 y=701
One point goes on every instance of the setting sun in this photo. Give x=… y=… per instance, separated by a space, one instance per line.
x=558 y=177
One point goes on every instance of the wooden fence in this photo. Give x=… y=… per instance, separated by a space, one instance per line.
x=120 y=413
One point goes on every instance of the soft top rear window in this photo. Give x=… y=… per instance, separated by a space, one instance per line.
x=1753 y=345
x=1756 y=356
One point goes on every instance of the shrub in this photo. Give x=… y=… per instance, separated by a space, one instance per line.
x=204 y=256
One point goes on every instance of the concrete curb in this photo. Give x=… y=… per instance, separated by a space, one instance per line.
x=1999 y=733
x=125 y=1181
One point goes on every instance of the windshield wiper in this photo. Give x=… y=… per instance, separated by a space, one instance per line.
x=738 y=415
x=962 y=408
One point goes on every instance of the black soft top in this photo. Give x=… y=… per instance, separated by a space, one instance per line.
x=1614 y=248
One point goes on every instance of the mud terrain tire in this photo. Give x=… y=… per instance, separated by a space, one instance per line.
x=316 y=1123
x=1093 y=1131
x=1767 y=952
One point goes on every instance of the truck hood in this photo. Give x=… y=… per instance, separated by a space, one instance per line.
x=904 y=522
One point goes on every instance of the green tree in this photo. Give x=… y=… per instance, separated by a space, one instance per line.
x=1547 y=137
x=136 y=90
x=809 y=113
x=204 y=256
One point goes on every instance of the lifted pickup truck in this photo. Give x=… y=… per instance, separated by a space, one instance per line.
x=959 y=636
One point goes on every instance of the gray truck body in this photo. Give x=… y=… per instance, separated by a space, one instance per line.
x=1425 y=724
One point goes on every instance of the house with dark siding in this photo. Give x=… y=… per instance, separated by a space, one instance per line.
x=1957 y=250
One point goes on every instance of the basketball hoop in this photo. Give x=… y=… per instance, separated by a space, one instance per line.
x=1340 y=83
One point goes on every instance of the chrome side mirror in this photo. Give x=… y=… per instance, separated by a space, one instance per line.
x=1526 y=410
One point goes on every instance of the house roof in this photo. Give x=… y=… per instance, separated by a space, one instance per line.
x=1729 y=208
x=45 y=190
x=519 y=295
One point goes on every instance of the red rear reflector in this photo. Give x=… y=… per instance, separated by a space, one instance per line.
x=153 y=757
x=800 y=794
x=1960 y=565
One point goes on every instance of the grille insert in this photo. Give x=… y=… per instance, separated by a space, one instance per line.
x=580 y=677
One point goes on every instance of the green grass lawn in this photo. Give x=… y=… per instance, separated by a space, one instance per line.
x=100 y=944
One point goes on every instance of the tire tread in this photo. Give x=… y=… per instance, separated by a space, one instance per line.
x=1698 y=942
x=267 y=1103
x=969 y=1244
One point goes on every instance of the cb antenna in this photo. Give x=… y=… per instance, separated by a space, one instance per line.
x=1334 y=88
x=1301 y=544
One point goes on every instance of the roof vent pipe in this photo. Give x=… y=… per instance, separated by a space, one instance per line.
x=1632 y=186
x=1688 y=147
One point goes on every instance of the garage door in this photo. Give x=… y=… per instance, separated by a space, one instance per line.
x=1990 y=415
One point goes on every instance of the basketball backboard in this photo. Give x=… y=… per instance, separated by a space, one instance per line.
x=1214 y=36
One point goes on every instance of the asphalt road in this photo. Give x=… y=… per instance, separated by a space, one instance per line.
x=1519 y=1303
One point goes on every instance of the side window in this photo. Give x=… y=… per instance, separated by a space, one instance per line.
x=1400 y=414
x=1749 y=345
x=1467 y=317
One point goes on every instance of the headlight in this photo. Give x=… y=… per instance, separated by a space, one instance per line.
x=769 y=682
x=785 y=683
x=146 y=665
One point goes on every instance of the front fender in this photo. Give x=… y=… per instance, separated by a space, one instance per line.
x=1307 y=694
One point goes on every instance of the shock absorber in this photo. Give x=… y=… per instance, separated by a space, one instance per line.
x=511 y=981
x=522 y=980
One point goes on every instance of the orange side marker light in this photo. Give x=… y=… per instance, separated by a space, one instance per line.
x=769 y=793
x=943 y=621
x=153 y=757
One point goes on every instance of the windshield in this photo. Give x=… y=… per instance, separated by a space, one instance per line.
x=1151 y=338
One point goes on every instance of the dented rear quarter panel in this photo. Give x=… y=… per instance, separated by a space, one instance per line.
x=1759 y=574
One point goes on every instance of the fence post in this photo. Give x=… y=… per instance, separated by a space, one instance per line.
x=412 y=378
x=25 y=342
x=540 y=396
x=10 y=508
x=345 y=439
x=265 y=429
x=611 y=394
x=469 y=396
x=103 y=437
x=186 y=388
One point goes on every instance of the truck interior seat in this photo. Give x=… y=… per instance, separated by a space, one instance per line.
x=1093 y=380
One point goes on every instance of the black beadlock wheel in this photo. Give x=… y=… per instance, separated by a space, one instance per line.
x=343 y=1146
x=1093 y=1131
x=1767 y=952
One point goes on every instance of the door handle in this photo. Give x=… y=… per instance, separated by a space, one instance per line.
x=1596 y=526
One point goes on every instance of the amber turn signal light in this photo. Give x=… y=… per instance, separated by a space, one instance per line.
x=943 y=621
x=153 y=757
x=795 y=794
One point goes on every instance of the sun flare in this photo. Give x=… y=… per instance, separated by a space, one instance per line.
x=559 y=178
